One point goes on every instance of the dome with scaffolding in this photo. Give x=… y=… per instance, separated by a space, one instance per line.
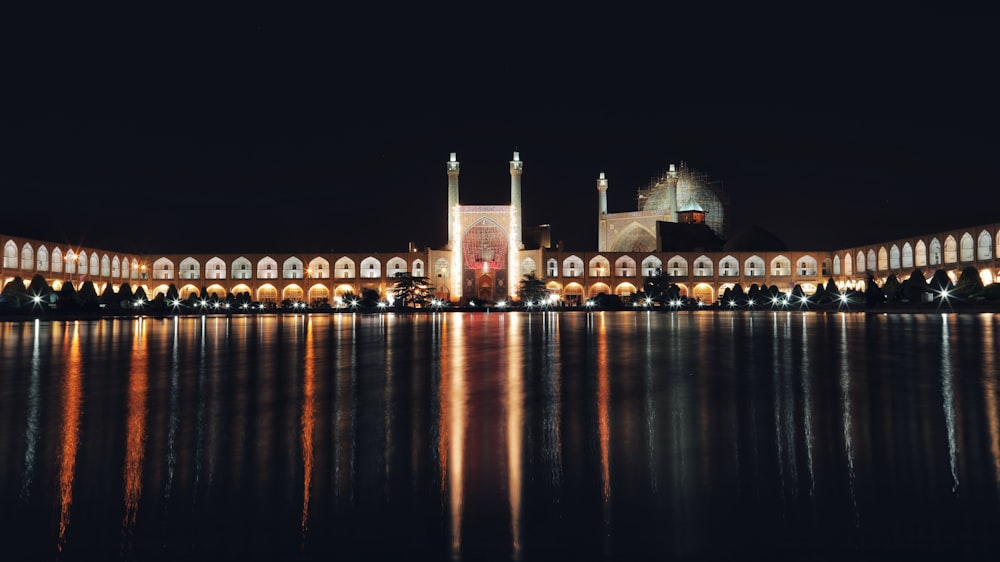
x=694 y=190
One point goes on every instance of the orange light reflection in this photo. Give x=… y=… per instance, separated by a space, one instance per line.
x=452 y=424
x=72 y=394
x=515 y=423
x=135 y=441
x=308 y=420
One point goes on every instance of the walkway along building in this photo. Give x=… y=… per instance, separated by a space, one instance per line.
x=486 y=257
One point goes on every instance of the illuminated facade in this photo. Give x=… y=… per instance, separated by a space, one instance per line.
x=485 y=258
x=484 y=255
x=670 y=198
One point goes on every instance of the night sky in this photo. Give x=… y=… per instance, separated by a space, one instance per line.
x=305 y=133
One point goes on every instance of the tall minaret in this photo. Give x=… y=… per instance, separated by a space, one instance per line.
x=672 y=193
x=602 y=198
x=514 y=243
x=515 y=198
x=452 y=197
x=602 y=211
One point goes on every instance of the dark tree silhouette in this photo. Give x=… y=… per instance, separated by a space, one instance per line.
x=532 y=289
x=660 y=287
x=969 y=283
x=411 y=291
x=893 y=289
x=915 y=286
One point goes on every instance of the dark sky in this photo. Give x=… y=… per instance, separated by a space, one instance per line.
x=308 y=133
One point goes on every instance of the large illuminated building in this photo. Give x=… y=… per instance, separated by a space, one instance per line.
x=678 y=229
x=681 y=195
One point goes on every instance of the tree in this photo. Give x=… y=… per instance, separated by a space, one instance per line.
x=893 y=289
x=969 y=283
x=40 y=288
x=873 y=293
x=915 y=286
x=660 y=287
x=124 y=296
x=15 y=294
x=820 y=296
x=738 y=295
x=411 y=290
x=797 y=293
x=69 y=299
x=88 y=295
x=941 y=282
x=532 y=289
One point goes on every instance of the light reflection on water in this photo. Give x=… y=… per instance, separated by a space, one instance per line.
x=466 y=436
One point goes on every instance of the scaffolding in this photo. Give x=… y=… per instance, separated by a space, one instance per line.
x=692 y=185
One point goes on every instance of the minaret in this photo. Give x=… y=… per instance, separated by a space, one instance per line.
x=515 y=198
x=602 y=198
x=602 y=211
x=452 y=197
x=514 y=243
x=672 y=193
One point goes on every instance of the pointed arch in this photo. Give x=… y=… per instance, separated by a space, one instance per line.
x=934 y=252
x=292 y=268
x=677 y=266
x=573 y=267
x=729 y=266
x=651 y=265
x=806 y=266
x=43 y=259
x=754 y=266
x=625 y=266
x=241 y=269
x=984 y=247
x=920 y=254
x=163 y=268
x=215 y=268
x=703 y=266
x=344 y=268
x=967 y=248
x=634 y=238
x=599 y=266
x=27 y=257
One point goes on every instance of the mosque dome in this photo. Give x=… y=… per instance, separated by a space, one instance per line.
x=754 y=239
x=694 y=191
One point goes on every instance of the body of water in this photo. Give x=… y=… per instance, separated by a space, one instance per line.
x=502 y=436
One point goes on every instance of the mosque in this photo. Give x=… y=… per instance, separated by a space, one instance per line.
x=679 y=229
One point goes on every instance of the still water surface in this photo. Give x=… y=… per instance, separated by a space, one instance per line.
x=478 y=436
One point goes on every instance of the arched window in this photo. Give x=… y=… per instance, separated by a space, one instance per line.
x=552 y=268
x=907 y=256
x=780 y=266
x=967 y=251
x=950 y=250
x=729 y=267
x=677 y=266
x=984 y=249
x=651 y=265
x=703 y=267
x=625 y=266
x=27 y=257
x=935 y=252
x=806 y=266
x=753 y=266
